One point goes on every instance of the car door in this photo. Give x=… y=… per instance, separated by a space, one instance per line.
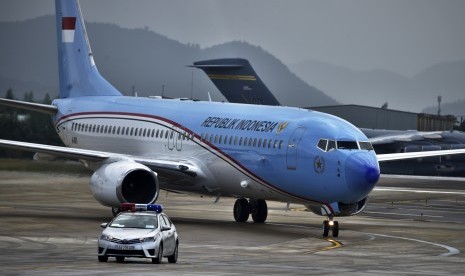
x=168 y=236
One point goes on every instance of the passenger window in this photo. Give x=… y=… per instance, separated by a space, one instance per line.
x=280 y=144
x=254 y=141
x=240 y=142
x=245 y=141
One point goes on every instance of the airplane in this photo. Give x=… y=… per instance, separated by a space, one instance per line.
x=230 y=75
x=136 y=146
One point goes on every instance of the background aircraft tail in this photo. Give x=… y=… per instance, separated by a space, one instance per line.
x=237 y=81
x=78 y=74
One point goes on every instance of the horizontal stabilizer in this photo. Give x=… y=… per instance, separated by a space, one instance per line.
x=44 y=108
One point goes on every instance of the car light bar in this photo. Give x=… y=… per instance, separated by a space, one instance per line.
x=133 y=207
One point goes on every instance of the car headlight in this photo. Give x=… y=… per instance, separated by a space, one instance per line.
x=106 y=237
x=147 y=239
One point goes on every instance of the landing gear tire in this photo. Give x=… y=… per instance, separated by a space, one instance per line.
x=336 y=229
x=115 y=211
x=325 y=228
x=103 y=259
x=330 y=225
x=241 y=210
x=259 y=210
x=119 y=259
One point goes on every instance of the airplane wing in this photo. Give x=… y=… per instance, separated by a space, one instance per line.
x=182 y=166
x=407 y=136
x=419 y=154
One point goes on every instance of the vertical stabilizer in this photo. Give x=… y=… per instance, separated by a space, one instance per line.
x=78 y=74
x=237 y=81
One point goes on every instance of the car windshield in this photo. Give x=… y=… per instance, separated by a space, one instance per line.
x=131 y=220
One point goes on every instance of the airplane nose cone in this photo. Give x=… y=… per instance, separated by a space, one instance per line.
x=362 y=173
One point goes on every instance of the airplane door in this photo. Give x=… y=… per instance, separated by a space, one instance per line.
x=292 y=147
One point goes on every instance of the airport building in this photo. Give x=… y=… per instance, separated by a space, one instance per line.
x=381 y=118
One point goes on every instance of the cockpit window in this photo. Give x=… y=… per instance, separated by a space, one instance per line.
x=347 y=145
x=365 y=145
x=331 y=145
x=322 y=144
x=328 y=145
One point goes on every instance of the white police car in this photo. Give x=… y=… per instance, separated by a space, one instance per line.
x=141 y=231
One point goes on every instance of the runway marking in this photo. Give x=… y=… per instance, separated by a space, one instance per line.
x=452 y=250
x=383 y=189
x=459 y=179
x=400 y=214
x=336 y=244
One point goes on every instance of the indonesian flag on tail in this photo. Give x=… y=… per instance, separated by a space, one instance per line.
x=68 y=27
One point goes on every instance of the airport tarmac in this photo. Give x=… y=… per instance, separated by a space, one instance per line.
x=49 y=224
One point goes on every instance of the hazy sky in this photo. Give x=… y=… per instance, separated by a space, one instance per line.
x=403 y=36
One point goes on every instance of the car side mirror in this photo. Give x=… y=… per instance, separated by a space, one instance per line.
x=103 y=225
x=165 y=228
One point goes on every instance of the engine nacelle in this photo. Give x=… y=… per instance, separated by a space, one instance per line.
x=340 y=209
x=124 y=181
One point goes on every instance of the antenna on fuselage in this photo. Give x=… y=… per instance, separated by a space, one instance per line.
x=209 y=97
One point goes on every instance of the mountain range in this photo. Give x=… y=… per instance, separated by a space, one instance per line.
x=154 y=65
x=140 y=58
x=377 y=87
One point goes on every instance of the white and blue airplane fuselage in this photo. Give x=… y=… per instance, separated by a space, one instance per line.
x=272 y=151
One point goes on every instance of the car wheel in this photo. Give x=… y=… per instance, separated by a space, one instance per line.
x=103 y=259
x=174 y=258
x=159 y=257
x=119 y=259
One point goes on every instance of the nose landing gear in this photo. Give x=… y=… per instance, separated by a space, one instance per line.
x=330 y=224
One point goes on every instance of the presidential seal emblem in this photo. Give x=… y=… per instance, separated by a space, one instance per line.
x=319 y=164
x=281 y=127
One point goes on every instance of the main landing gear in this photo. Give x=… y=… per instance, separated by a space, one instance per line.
x=257 y=207
x=330 y=224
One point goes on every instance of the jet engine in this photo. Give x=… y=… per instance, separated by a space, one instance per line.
x=124 y=181
x=340 y=209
